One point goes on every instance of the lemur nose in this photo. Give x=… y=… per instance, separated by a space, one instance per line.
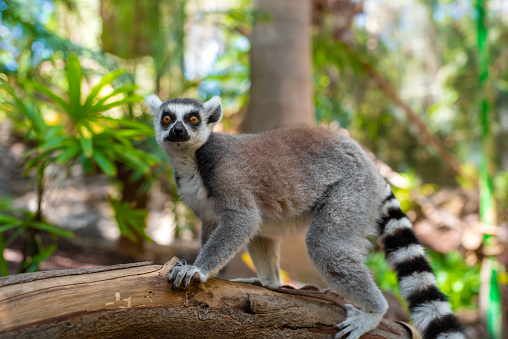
x=178 y=129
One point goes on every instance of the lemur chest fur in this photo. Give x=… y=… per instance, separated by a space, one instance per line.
x=191 y=188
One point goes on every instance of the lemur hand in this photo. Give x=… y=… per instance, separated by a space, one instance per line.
x=182 y=274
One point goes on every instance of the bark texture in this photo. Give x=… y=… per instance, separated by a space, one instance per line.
x=135 y=300
x=281 y=66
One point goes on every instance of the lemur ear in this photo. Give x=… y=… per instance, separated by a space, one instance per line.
x=154 y=103
x=213 y=110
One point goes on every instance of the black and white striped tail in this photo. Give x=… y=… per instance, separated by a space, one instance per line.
x=431 y=312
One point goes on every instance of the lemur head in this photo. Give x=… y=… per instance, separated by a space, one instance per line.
x=182 y=122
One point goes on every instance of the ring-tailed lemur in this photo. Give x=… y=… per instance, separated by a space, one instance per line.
x=254 y=189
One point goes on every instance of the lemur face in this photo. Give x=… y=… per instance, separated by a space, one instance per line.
x=184 y=122
x=180 y=119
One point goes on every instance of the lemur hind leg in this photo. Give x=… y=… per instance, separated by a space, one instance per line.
x=337 y=248
x=265 y=255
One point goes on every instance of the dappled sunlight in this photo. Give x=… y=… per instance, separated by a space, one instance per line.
x=422 y=86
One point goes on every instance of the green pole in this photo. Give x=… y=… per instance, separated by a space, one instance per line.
x=488 y=212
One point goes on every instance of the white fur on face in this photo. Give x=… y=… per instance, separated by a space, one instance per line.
x=197 y=136
x=180 y=110
x=154 y=103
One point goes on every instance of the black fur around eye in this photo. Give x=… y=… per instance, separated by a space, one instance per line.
x=167 y=118
x=193 y=119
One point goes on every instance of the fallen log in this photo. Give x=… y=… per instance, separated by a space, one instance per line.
x=135 y=300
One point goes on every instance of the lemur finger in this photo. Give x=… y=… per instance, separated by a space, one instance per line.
x=341 y=325
x=172 y=274
x=179 y=263
x=342 y=333
x=188 y=278
x=179 y=277
x=176 y=268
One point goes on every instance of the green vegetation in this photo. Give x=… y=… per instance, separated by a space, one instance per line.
x=28 y=226
x=72 y=76
x=90 y=137
x=84 y=135
x=456 y=279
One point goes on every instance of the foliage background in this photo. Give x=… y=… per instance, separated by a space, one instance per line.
x=71 y=118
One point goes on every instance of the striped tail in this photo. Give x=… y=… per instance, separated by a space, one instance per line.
x=431 y=312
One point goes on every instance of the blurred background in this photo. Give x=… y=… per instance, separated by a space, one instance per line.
x=422 y=85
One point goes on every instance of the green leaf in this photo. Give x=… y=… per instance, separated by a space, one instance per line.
x=51 y=95
x=37 y=122
x=19 y=103
x=149 y=159
x=53 y=131
x=68 y=154
x=32 y=265
x=85 y=141
x=130 y=221
x=124 y=89
x=97 y=108
x=46 y=150
x=53 y=229
x=125 y=231
x=133 y=161
x=118 y=140
x=106 y=80
x=19 y=231
x=55 y=142
x=7 y=219
x=74 y=76
x=129 y=133
x=87 y=164
x=5 y=203
x=142 y=128
x=4 y=267
x=9 y=227
x=104 y=164
x=38 y=160
x=86 y=147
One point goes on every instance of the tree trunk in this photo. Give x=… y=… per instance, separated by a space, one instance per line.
x=281 y=92
x=135 y=300
x=281 y=66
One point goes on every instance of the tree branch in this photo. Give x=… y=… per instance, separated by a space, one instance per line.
x=136 y=300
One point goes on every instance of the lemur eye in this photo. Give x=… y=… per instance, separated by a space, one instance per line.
x=193 y=119
x=166 y=119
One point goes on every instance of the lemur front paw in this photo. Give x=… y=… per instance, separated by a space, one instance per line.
x=182 y=274
x=357 y=323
